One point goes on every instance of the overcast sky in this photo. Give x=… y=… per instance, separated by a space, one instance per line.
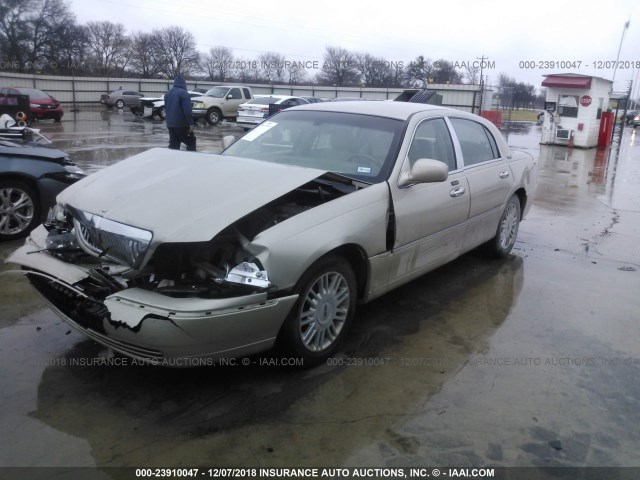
x=505 y=31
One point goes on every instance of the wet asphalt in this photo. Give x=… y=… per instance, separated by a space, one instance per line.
x=529 y=361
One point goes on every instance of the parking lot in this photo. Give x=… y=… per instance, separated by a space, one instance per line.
x=528 y=361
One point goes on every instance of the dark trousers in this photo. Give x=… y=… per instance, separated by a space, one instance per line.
x=178 y=135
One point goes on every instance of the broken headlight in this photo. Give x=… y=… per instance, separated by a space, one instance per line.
x=101 y=237
x=96 y=235
x=246 y=274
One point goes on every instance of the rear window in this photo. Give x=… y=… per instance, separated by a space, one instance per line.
x=264 y=100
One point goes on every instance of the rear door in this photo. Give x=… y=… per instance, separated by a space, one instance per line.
x=489 y=175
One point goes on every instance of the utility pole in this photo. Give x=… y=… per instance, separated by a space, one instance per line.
x=624 y=113
x=482 y=59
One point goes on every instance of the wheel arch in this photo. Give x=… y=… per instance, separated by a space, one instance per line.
x=27 y=180
x=522 y=197
x=357 y=258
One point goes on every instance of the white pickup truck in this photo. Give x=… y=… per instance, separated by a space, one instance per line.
x=220 y=103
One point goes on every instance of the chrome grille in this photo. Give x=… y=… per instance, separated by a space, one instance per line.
x=106 y=238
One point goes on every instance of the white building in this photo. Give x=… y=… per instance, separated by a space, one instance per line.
x=575 y=104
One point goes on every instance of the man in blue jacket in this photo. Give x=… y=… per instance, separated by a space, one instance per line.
x=177 y=105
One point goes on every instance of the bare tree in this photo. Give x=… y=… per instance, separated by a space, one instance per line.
x=246 y=69
x=74 y=51
x=142 y=59
x=419 y=72
x=107 y=42
x=373 y=71
x=338 y=68
x=34 y=34
x=14 y=31
x=444 y=72
x=295 y=73
x=272 y=67
x=175 y=51
x=218 y=63
x=472 y=74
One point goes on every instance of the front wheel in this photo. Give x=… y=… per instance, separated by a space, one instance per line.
x=162 y=114
x=317 y=324
x=119 y=104
x=19 y=210
x=213 y=116
x=505 y=238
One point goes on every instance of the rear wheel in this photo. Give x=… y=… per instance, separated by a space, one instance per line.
x=505 y=238
x=318 y=322
x=19 y=210
x=213 y=116
x=119 y=103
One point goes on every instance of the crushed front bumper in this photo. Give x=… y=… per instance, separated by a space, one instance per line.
x=152 y=327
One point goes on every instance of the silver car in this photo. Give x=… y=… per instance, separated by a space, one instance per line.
x=120 y=98
x=178 y=257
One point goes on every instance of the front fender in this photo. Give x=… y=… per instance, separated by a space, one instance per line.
x=288 y=249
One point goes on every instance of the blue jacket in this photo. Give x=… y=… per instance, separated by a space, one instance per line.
x=177 y=105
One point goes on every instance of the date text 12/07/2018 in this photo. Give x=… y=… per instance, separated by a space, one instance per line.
x=576 y=64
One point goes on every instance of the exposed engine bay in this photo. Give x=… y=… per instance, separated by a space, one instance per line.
x=221 y=267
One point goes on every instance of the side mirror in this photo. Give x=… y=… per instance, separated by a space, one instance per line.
x=425 y=170
x=227 y=141
x=229 y=97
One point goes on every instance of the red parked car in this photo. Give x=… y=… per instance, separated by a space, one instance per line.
x=43 y=105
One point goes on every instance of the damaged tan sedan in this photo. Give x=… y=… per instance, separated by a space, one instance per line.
x=191 y=256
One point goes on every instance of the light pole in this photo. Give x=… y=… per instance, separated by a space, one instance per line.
x=615 y=68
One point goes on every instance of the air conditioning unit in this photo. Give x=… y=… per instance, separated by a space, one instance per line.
x=563 y=134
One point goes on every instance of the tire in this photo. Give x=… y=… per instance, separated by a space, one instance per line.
x=213 y=116
x=505 y=238
x=319 y=320
x=57 y=118
x=119 y=104
x=162 y=114
x=19 y=210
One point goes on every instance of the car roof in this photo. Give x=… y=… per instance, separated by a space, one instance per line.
x=399 y=110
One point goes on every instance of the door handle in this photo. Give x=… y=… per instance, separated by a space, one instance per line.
x=504 y=174
x=456 y=192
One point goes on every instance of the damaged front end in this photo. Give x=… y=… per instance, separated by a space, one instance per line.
x=209 y=298
x=115 y=257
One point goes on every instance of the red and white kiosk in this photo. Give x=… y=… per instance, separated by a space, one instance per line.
x=576 y=110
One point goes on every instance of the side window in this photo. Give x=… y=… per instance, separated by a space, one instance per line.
x=235 y=93
x=432 y=140
x=476 y=142
x=568 y=105
x=247 y=94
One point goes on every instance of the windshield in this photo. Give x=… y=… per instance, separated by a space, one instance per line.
x=358 y=146
x=34 y=93
x=217 y=92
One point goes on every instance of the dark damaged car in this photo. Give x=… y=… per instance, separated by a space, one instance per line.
x=184 y=256
x=31 y=176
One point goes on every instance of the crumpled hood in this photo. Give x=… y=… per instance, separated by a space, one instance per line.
x=183 y=196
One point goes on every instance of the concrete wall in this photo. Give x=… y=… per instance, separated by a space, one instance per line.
x=87 y=90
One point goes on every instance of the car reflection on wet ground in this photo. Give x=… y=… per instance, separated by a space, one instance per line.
x=528 y=361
